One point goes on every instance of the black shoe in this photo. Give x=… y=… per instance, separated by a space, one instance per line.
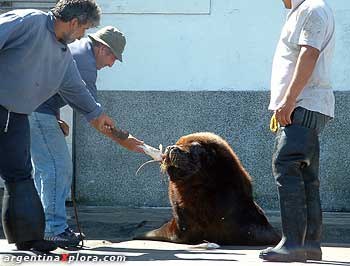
x=283 y=255
x=314 y=254
x=37 y=245
x=67 y=239
x=80 y=236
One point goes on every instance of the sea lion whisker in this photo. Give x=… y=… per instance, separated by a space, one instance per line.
x=142 y=165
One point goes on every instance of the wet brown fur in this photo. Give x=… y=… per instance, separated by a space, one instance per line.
x=211 y=196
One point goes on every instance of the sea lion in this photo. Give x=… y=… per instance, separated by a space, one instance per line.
x=211 y=196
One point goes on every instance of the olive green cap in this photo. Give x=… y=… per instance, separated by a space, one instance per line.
x=111 y=37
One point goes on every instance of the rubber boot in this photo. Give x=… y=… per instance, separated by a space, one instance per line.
x=314 y=212
x=23 y=217
x=293 y=149
x=293 y=215
x=314 y=226
x=314 y=222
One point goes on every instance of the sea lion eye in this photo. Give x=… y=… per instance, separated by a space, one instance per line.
x=196 y=150
x=195 y=143
x=195 y=147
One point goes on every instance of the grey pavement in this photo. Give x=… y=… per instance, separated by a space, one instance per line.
x=109 y=232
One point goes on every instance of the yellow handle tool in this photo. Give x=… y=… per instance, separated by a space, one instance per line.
x=274 y=124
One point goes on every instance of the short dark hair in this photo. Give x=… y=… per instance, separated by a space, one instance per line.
x=84 y=10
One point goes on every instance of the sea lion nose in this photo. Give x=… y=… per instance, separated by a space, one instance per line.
x=171 y=149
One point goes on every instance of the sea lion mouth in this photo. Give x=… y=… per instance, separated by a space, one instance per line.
x=167 y=162
x=177 y=163
x=174 y=157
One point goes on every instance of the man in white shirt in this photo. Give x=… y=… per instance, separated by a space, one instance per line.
x=303 y=102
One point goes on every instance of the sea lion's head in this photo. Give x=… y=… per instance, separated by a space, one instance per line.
x=197 y=157
x=181 y=161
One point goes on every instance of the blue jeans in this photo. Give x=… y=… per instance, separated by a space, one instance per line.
x=52 y=170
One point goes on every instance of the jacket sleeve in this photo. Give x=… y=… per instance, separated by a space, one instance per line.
x=76 y=94
x=89 y=77
x=12 y=29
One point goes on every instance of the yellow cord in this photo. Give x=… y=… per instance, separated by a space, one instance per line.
x=274 y=124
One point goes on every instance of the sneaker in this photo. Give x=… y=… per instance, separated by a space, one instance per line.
x=66 y=239
x=80 y=236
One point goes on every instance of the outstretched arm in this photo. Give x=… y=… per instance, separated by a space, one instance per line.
x=130 y=143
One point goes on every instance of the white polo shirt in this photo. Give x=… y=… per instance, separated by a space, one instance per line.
x=310 y=23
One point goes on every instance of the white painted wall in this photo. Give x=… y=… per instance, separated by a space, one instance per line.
x=206 y=44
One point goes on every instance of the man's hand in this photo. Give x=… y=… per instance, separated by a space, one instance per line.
x=131 y=143
x=103 y=123
x=284 y=112
x=64 y=127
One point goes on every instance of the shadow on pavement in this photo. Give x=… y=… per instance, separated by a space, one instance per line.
x=227 y=253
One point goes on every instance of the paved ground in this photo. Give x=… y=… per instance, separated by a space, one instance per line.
x=158 y=253
x=110 y=229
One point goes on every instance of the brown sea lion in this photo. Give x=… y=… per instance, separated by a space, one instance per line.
x=211 y=196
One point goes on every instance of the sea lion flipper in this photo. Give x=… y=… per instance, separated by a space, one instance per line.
x=165 y=233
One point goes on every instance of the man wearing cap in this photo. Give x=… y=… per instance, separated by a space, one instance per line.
x=51 y=158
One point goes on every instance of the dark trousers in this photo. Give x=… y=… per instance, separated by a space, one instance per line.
x=15 y=160
x=295 y=165
x=22 y=213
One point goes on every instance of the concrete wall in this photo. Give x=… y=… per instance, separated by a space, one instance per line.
x=106 y=172
x=201 y=66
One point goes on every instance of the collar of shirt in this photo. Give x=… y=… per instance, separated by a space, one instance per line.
x=91 y=46
x=51 y=20
x=295 y=5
